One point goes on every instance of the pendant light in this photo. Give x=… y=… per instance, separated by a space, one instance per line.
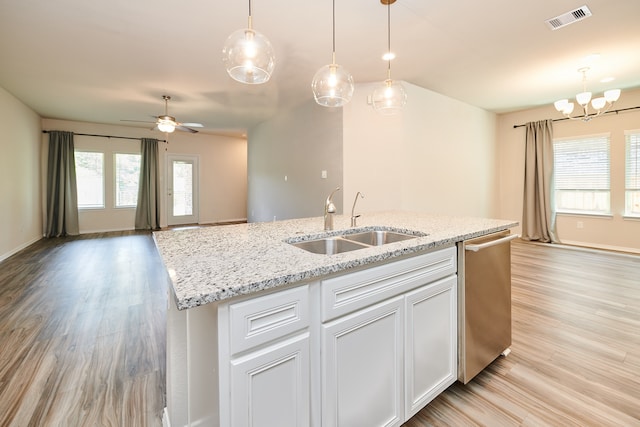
x=389 y=97
x=248 y=55
x=332 y=84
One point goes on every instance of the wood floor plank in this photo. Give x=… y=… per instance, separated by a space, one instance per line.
x=82 y=340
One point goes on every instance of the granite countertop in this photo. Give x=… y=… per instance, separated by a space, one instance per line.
x=208 y=264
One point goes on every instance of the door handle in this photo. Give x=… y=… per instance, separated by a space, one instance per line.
x=476 y=248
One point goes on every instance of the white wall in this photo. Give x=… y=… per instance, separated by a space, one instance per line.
x=20 y=212
x=223 y=171
x=438 y=156
x=613 y=232
x=297 y=144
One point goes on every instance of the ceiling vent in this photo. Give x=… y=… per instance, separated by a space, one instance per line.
x=568 y=18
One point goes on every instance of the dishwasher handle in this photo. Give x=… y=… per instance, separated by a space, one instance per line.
x=476 y=248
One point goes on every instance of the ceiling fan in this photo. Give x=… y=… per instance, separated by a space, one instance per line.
x=167 y=123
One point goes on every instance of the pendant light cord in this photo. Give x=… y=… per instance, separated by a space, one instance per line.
x=389 y=40
x=333 y=54
x=250 y=20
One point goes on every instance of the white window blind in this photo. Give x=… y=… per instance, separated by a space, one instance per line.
x=582 y=175
x=127 y=175
x=90 y=179
x=632 y=173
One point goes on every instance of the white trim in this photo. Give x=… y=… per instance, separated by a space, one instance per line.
x=107 y=230
x=594 y=247
x=19 y=248
x=165 y=418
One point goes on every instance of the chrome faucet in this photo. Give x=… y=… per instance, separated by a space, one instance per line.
x=329 y=210
x=354 y=217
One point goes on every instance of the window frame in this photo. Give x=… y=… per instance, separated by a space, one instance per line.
x=631 y=137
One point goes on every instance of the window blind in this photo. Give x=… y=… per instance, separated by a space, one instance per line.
x=582 y=174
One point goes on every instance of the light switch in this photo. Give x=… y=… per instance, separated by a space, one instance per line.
x=323 y=175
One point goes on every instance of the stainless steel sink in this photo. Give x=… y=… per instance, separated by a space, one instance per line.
x=378 y=237
x=329 y=245
x=351 y=240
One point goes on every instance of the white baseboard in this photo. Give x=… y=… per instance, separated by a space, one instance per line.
x=570 y=244
x=19 y=248
x=165 y=418
x=106 y=230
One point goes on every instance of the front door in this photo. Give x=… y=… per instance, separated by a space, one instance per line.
x=182 y=187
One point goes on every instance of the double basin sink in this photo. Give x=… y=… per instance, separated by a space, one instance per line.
x=351 y=241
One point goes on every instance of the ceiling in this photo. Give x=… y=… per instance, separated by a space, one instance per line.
x=102 y=62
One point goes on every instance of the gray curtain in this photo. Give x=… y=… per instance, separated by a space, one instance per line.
x=148 y=211
x=62 y=195
x=538 y=216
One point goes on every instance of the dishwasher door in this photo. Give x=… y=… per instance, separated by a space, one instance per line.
x=484 y=310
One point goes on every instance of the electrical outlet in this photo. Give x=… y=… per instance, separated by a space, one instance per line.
x=580 y=224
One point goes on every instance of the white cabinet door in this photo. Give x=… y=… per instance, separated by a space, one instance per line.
x=270 y=387
x=431 y=343
x=362 y=366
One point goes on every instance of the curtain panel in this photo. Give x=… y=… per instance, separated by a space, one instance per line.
x=62 y=195
x=538 y=213
x=148 y=210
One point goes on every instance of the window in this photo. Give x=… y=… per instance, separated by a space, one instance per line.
x=632 y=174
x=89 y=179
x=127 y=175
x=581 y=175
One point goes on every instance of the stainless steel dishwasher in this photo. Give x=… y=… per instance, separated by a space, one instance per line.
x=484 y=302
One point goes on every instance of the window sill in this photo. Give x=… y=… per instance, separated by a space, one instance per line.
x=631 y=217
x=586 y=214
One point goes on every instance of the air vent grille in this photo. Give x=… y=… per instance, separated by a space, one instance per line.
x=569 y=18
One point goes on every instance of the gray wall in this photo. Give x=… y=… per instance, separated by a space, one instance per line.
x=297 y=144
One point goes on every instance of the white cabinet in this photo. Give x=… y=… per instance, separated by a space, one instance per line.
x=362 y=367
x=264 y=360
x=430 y=342
x=270 y=387
x=389 y=340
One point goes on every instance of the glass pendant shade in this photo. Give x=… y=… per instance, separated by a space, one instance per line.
x=612 y=95
x=598 y=103
x=389 y=98
x=583 y=98
x=248 y=57
x=332 y=86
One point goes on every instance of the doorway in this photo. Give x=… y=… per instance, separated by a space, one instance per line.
x=182 y=189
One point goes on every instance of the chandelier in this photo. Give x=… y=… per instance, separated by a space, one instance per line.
x=601 y=104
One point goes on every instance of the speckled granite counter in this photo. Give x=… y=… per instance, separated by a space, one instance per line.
x=208 y=264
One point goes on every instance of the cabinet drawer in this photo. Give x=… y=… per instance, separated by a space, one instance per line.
x=344 y=294
x=259 y=320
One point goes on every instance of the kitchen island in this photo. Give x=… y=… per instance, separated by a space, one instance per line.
x=261 y=332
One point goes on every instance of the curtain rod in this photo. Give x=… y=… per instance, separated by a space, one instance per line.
x=105 y=136
x=608 y=112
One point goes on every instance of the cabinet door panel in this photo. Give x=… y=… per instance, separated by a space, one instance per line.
x=362 y=368
x=431 y=343
x=271 y=387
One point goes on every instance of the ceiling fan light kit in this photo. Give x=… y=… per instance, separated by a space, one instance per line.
x=248 y=55
x=332 y=85
x=601 y=104
x=389 y=97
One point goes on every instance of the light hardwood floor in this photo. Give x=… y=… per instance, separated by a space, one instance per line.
x=82 y=338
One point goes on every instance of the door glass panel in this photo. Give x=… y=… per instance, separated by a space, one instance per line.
x=182 y=188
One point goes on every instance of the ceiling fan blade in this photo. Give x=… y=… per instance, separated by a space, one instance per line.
x=136 y=121
x=193 y=125
x=186 y=129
